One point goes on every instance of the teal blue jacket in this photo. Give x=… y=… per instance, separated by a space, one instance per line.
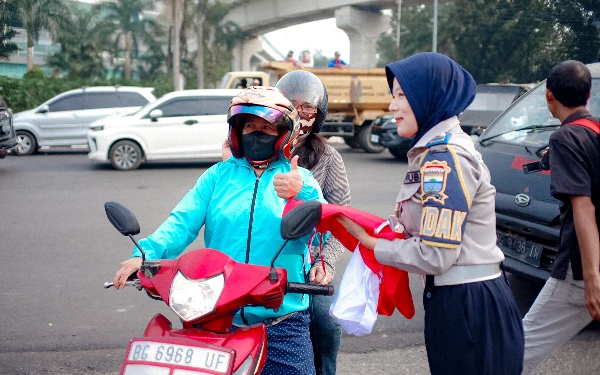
x=222 y=201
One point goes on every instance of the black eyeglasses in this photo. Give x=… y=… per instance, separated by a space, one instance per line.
x=306 y=108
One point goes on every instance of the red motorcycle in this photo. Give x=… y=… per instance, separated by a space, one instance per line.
x=206 y=288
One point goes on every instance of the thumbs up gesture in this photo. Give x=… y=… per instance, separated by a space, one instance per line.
x=288 y=185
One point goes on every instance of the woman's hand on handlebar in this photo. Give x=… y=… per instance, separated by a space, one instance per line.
x=131 y=265
x=318 y=275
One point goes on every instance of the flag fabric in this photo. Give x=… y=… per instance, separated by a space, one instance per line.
x=394 y=290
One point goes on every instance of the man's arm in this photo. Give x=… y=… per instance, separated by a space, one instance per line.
x=586 y=228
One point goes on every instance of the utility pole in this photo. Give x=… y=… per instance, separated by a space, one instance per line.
x=177 y=16
x=398 y=17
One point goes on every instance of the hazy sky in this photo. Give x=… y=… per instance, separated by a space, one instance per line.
x=318 y=35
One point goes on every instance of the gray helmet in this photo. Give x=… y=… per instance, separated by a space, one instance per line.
x=304 y=86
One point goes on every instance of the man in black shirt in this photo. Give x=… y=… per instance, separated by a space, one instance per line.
x=570 y=298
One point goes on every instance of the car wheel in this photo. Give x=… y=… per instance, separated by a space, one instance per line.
x=399 y=153
x=125 y=155
x=352 y=141
x=27 y=143
x=364 y=138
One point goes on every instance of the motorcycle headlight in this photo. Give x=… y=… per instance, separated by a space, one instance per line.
x=191 y=299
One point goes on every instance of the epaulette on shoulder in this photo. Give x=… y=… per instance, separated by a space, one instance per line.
x=438 y=144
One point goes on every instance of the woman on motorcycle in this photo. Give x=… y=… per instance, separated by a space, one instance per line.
x=237 y=204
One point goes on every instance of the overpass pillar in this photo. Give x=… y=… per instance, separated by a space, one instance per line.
x=363 y=29
x=244 y=54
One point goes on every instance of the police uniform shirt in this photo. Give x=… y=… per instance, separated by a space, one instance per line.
x=575 y=170
x=454 y=221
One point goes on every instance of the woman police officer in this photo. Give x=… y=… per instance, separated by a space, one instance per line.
x=445 y=209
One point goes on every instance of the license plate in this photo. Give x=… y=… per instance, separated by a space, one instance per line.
x=517 y=247
x=180 y=355
x=374 y=138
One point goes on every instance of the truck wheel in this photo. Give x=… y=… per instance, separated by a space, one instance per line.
x=125 y=155
x=27 y=143
x=352 y=141
x=398 y=153
x=364 y=138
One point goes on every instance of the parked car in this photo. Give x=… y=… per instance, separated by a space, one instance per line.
x=64 y=119
x=8 y=137
x=490 y=101
x=527 y=216
x=189 y=124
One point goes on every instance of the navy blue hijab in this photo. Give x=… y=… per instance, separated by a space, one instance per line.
x=436 y=87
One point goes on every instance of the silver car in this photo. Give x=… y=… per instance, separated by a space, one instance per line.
x=64 y=119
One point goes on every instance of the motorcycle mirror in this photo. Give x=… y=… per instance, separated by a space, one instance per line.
x=301 y=220
x=124 y=221
x=121 y=218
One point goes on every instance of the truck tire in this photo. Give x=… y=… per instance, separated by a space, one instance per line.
x=27 y=143
x=352 y=141
x=364 y=139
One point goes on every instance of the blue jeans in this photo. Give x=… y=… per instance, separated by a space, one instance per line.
x=325 y=334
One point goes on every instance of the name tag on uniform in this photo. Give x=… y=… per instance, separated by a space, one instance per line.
x=413 y=177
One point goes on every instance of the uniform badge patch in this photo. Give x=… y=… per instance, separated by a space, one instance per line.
x=434 y=175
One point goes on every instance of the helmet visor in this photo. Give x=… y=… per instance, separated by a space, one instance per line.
x=273 y=116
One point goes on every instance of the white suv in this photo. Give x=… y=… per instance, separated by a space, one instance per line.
x=64 y=119
x=190 y=124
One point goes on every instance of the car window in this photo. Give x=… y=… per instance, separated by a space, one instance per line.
x=132 y=99
x=213 y=106
x=73 y=102
x=180 y=107
x=531 y=114
x=493 y=101
x=98 y=100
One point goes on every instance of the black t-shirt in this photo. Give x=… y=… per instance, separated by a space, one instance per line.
x=575 y=170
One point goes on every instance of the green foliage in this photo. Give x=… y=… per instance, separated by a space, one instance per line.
x=219 y=38
x=23 y=94
x=131 y=28
x=36 y=15
x=501 y=40
x=6 y=33
x=82 y=37
x=35 y=73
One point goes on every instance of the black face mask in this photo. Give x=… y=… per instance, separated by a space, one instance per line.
x=258 y=145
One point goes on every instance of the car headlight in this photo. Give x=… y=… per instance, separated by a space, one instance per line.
x=97 y=128
x=191 y=299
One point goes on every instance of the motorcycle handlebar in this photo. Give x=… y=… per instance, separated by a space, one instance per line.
x=323 y=290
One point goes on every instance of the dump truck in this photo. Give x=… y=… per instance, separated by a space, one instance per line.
x=356 y=98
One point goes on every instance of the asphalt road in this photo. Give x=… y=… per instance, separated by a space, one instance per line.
x=57 y=248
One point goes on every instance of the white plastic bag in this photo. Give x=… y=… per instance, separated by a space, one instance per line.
x=355 y=303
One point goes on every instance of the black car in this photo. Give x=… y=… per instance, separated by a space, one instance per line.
x=490 y=101
x=8 y=139
x=527 y=216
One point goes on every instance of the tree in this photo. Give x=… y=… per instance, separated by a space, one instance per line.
x=6 y=32
x=132 y=26
x=36 y=15
x=213 y=54
x=502 y=40
x=82 y=37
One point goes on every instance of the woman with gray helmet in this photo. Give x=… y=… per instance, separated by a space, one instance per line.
x=308 y=94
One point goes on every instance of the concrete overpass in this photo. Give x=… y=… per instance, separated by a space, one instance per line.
x=362 y=20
